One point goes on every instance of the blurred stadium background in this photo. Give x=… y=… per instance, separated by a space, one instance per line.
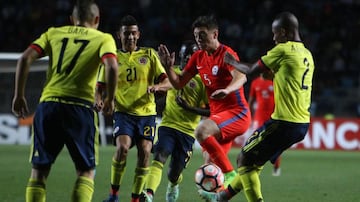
x=330 y=29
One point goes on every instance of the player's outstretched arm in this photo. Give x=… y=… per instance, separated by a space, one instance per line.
x=244 y=68
x=168 y=60
x=19 y=104
x=161 y=87
x=111 y=75
x=99 y=92
x=197 y=110
x=231 y=60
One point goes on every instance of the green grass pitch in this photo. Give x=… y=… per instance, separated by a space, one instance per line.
x=307 y=176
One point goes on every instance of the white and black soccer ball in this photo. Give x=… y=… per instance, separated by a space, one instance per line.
x=209 y=177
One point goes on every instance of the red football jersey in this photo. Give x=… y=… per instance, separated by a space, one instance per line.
x=262 y=90
x=215 y=74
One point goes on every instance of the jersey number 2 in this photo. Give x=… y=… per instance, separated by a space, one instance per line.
x=64 y=41
x=307 y=64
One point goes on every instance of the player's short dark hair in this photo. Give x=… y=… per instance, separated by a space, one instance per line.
x=287 y=20
x=83 y=10
x=128 y=20
x=208 y=21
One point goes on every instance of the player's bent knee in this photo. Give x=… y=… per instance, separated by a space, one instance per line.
x=161 y=156
x=206 y=129
x=87 y=173
x=200 y=137
x=121 y=151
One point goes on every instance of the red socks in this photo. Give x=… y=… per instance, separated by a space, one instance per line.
x=217 y=154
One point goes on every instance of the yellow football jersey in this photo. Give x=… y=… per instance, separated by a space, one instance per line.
x=75 y=56
x=293 y=67
x=174 y=116
x=137 y=71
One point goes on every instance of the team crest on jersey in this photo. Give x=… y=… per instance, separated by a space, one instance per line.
x=215 y=70
x=192 y=84
x=143 y=60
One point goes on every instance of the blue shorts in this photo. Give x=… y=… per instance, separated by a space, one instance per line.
x=58 y=124
x=271 y=139
x=137 y=127
x=176 y=143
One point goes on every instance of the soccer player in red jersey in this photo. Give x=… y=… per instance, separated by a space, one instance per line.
x=261 y=93
x=229 y=111
x=293 y=67
x=261 y=102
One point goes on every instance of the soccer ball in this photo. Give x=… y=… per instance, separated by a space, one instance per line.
x=209 y=177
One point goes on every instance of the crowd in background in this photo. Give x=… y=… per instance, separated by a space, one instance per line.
x=330 y=29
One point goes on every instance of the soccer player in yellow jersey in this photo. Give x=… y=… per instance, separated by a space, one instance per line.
x=176 y=130
x=65 y=114
x=135 y=107
x=293 y=66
